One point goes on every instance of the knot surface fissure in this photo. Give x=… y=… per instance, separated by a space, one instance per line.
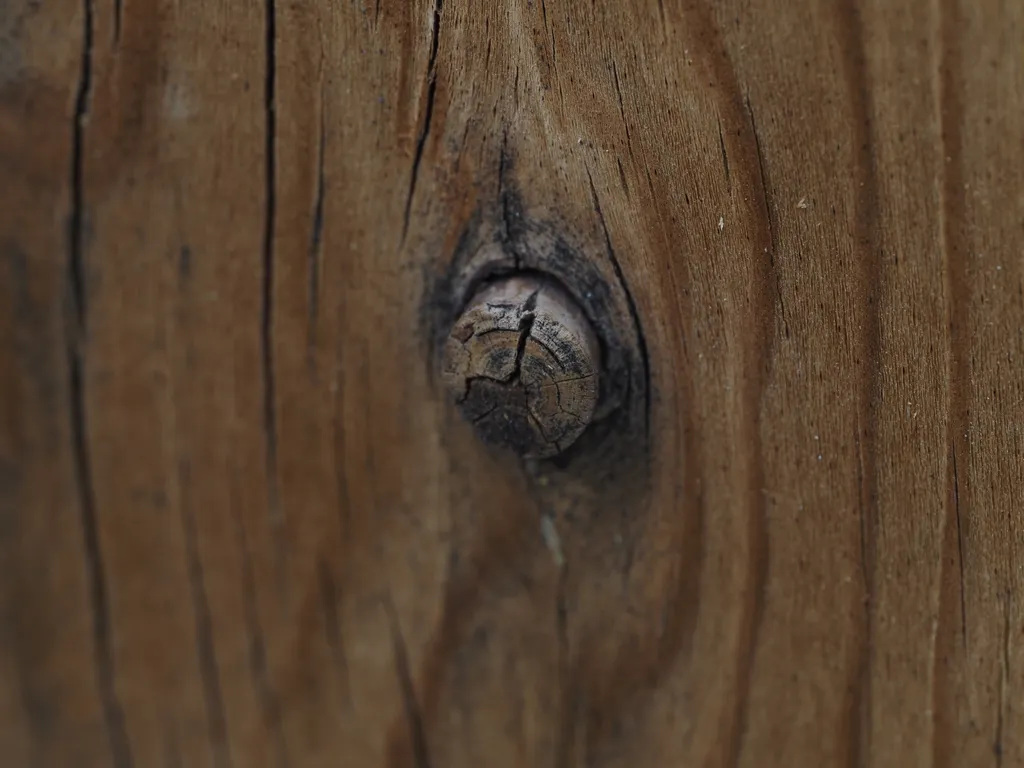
x=522 y=364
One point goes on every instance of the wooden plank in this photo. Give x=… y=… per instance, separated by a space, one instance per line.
x=57 y=705
x=242 y=524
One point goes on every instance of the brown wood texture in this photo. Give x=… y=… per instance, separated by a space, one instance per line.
x=242 y=525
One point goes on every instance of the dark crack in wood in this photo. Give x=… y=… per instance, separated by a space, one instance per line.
x=99 y=591
x=421 y=139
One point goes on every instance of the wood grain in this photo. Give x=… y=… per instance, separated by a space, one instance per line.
x=241 y=524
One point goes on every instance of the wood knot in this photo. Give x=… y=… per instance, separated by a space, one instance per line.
x=522 y=363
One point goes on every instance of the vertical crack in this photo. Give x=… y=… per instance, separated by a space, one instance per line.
x=511 y=229
x=725 y=157
x=413 y=715
x=525 y=329
x=77 y=224
x=768 y=215
x=867 y=276
x=570 y=694
x=208 y=666
x=99 y=596
x=622 y=112
x=421 y=139
x=955 y=247
x=257 y=649
x=763 y=177
x=267 y=318
x=622 y=179
x=630 y=302
x=332 y=629
x=316 y=236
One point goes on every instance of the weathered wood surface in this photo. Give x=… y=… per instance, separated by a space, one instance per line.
x=240 y=523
